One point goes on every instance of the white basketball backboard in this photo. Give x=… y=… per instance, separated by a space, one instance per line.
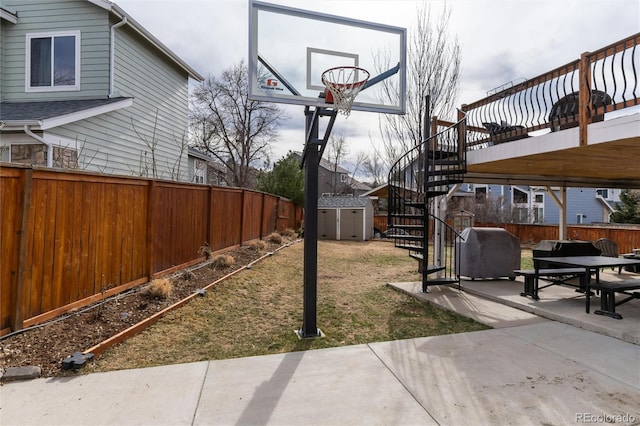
x=290 y=48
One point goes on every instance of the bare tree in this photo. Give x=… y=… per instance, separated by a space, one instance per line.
x=433 y=68
x=182 y=145
x=337 y=150
x=234 y=129
x=151 y=142
x=374 y=167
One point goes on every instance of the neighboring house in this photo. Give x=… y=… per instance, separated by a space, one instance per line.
x=522 y=204
x=198 y=166
x=336 y=180
x=84 y=86
x=204 y=169
x=527 y=204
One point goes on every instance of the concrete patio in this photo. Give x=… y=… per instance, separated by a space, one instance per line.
x=558 y=303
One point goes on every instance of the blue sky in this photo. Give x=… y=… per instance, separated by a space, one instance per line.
x=501 y=40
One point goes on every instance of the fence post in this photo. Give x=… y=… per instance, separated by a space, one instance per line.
x=262 y=216
x=150 y=221
x=17 y=293
x=242 y=213
x=584 y=97
x=209 y=217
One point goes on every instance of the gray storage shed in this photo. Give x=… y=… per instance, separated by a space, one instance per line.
x=345 y=218
x=488 y=253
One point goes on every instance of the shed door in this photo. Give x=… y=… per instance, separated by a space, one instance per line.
x=327 y=229
x=351 y=224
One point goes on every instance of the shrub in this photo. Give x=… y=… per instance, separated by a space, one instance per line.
x=205 y=251
x=257 y=245
x=223 y=261
x=188 y=275
x=275 y=238
x=289 y=233
x=158 y=289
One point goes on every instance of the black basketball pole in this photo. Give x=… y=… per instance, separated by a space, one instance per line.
x=311 y=161
x=313 y=149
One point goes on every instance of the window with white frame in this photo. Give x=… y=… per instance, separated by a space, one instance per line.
x=199 y=171
x=520 y=196
x=52 y=61
x=603 y=192
x=343 y=177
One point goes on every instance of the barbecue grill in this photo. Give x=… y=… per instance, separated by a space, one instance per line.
x=557 y=248
x=488 y=253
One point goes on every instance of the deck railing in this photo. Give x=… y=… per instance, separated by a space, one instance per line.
x=572 y=95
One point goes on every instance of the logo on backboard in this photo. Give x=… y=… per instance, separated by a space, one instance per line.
x=270 y=84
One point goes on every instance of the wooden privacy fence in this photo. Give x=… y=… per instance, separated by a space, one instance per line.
x=627 y=237
x=68 y=239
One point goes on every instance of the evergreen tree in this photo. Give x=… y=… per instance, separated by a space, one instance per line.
x=286 y=179
x=629 y=210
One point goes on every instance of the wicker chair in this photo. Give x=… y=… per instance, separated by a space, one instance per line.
x=608 y=248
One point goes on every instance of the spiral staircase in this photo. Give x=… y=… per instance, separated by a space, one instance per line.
x=418 y=186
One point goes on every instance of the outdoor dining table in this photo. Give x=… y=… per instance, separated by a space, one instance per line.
x=590 y=264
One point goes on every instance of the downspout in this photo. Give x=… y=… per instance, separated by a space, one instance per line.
x=112 y=49
x=40 y=139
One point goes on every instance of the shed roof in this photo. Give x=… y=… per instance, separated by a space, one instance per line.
x=338 y=202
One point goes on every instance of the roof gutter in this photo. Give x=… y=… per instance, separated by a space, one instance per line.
x=40 y=139
x=112 y=55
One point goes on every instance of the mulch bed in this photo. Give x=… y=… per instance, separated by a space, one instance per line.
x=48 y=344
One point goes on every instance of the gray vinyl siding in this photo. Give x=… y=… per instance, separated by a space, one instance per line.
x=3 y=24
x=160 y=92
x=111 y=143
x=579 y=201
x=38 y=16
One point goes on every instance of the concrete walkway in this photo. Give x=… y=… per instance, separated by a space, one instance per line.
x=526 y=370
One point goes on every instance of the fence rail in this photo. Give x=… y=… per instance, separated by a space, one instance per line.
x=68 y=239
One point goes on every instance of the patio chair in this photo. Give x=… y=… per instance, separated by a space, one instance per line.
x=505 y=132
x=564 y=113
x=609 y=248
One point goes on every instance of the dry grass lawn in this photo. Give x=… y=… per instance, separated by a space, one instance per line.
x=256 y=311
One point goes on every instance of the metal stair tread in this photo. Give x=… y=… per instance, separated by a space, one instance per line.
x=405 y=226
x=408 y=237
x=411 y=247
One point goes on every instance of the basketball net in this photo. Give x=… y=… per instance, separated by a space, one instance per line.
x=343 y=85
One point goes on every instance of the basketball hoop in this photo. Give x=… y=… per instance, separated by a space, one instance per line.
x=343 y=85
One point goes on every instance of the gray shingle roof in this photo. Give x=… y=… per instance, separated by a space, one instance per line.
x=336 y=202
x=27 y=111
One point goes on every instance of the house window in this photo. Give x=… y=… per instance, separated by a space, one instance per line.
x=52 y=61
x=520 y=197
x=604 y=193
x=200 y=171
x=343 y=177
x=481 y=193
